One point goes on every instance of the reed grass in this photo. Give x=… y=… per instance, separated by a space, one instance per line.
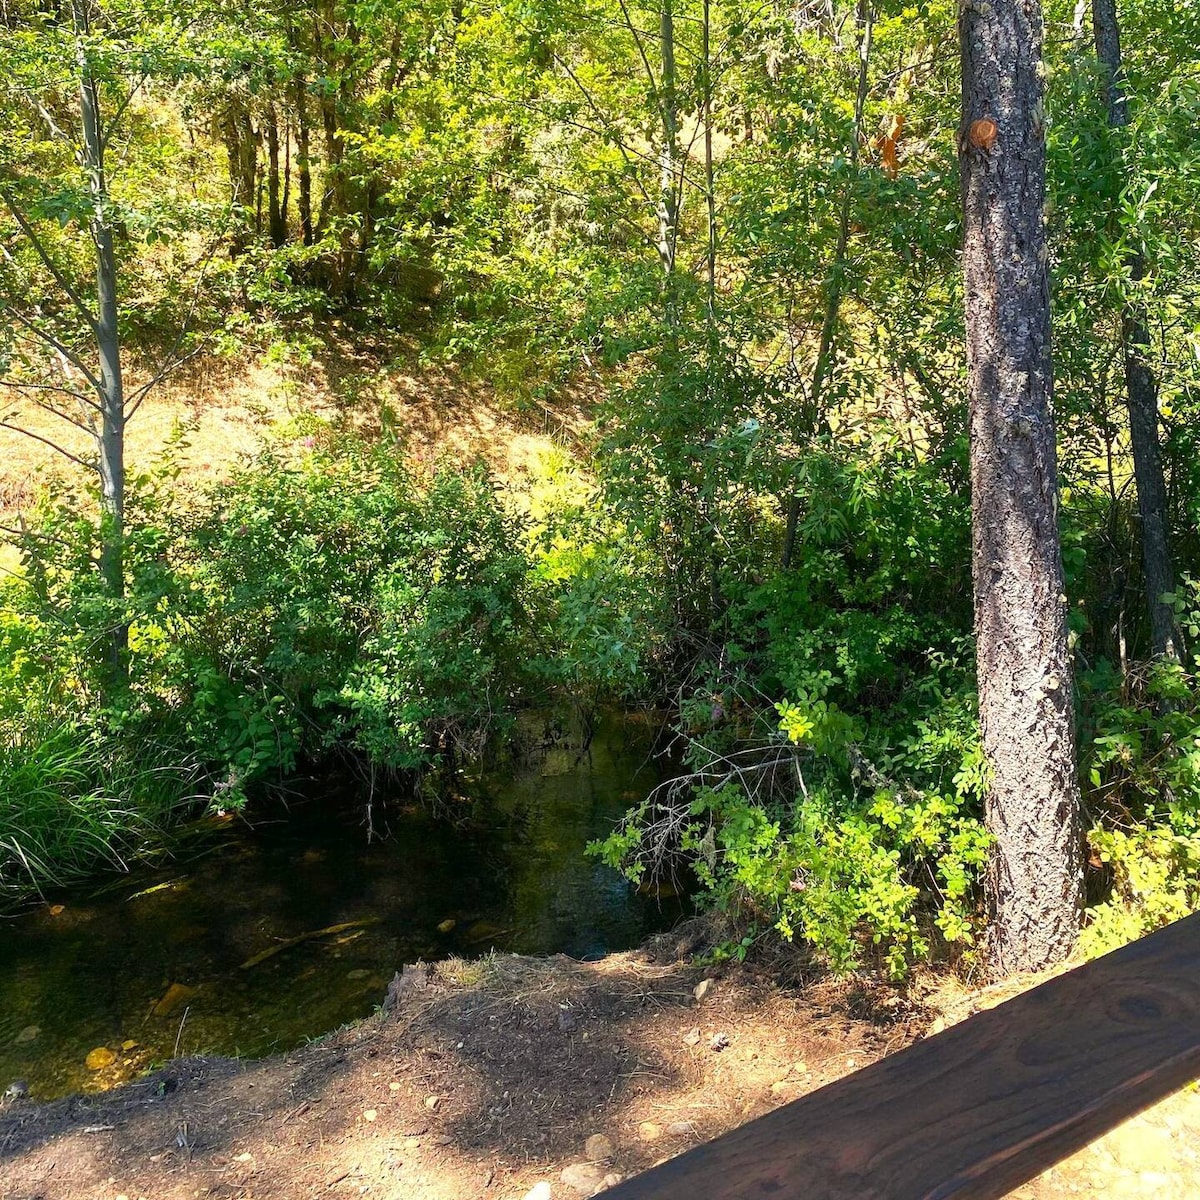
x=72 y=805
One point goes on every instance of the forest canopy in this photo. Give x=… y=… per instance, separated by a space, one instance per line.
x=735 y=235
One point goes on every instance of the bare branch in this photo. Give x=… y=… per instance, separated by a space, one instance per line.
x=37 y=437
x=168 y=368
x=85 y=423
x=52 y=125
x=15 y=386
x=170 y=361
x=637 y=41
x=60 y=348
x=39 y=248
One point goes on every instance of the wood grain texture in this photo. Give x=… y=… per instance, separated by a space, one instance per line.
x=980 y=1109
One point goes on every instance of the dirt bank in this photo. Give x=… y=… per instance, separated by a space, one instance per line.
x=486 y=1079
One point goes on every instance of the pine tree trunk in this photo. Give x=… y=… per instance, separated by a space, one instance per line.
x=1024 y=668
x=1140 y=383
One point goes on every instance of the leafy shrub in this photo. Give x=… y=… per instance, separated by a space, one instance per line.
x=1141 y=757
x=882 y=845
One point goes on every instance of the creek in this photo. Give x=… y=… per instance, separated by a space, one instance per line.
x=282 y=929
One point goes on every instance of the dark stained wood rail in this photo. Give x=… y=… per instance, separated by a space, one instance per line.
x=979 y=1109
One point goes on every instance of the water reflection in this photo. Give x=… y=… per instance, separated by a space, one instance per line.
x=292 y=927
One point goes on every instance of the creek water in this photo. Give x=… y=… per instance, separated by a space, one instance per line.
x=284 y=929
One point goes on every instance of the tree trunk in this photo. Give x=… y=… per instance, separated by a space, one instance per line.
x=1140 y=383
x=1024 y=668
x=276 y=226
x=110 y=437
x=814 y=418
x=241 y=150
x=669 y=191
x=303 y=164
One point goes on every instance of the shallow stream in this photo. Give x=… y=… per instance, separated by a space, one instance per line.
x=285 y=929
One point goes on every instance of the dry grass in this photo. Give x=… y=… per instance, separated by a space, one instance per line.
x=229 y=409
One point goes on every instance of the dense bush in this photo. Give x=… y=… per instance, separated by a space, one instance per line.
x=318 y=599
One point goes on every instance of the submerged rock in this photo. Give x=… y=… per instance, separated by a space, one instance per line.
x=28 y=1034
x=99 y=1058
x=172 y=998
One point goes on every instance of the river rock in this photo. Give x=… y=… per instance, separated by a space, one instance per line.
x=173 y=997
x=28 y=1034
x=598 y=1148
x=447 y=925
x=648 y=1131
x=17 y=1090
x=586 y=1178
x=539 y=1191
x=99 y=1058
x=483 y=931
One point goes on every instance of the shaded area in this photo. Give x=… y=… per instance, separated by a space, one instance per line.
x=292 y=927
x=483 y=1078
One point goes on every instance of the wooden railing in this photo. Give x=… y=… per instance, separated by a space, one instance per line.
x=979 y=1109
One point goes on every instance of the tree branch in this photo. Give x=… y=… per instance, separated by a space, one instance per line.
x=60 y=348
x=36 y=242
x=37 y=437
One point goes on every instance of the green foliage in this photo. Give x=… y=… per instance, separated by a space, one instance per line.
x=1154 y=880
x=878 y=853
x=1142 y=761
x=495 y=176
x=71 y=802
x=595 y=580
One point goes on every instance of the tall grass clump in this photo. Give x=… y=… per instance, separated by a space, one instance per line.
x=71 y=805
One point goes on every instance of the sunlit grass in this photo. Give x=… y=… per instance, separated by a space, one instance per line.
x=69 y=806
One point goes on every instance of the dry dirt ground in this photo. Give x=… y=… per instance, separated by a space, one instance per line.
x=486 y=1080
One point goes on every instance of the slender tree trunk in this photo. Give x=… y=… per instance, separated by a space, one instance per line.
x=285 y=202
x=814 y=417
x=669 y=191
x=241 y=150
x=303 y=164
x=276 y=227
x=710 y=190
x=110 y=437
x=1140 y=383
x=1024 y=668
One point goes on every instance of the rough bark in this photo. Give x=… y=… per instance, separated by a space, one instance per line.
x=1140 y=382
x=1024 y=668
x=276 y=225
